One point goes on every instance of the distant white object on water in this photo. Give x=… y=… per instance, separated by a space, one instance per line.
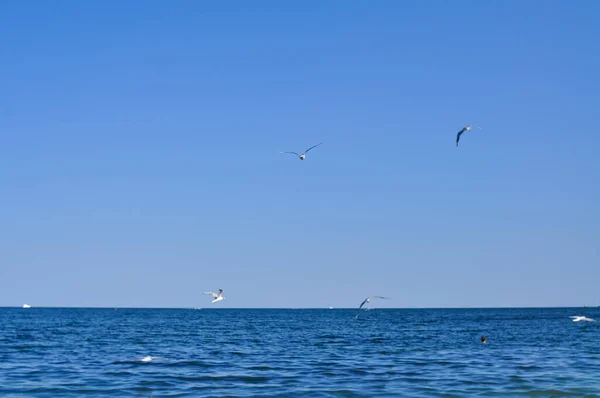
x=581 y=318
x=148 y=359
x=26 y=306
x=302 y=156
x=330 y=308
x=217 y=296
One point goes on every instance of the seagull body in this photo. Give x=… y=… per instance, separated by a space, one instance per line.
x=302 y=156
x=218 y=296
x=581 y=318
x=367 y=301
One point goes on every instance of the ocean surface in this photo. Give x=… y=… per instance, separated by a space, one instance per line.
x=70 y=352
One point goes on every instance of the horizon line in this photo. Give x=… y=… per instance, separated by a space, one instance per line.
x=299 y=308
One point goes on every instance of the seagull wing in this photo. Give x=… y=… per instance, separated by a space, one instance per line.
x=459 y=134
x=314 y=146
x=361 y=305
x=294 y=153
x=364 y=302
x=215 y=295
x=381 y=297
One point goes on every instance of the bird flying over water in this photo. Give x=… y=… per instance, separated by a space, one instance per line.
x=303 y=155
x=581 y=318
x=367 y=301
x=466 y=128
x=217 y=296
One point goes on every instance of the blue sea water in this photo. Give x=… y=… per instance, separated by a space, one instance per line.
x=298 y=353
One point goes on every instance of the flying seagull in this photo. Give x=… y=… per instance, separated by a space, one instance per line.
x=466 y=128
x=303 y=155
x=367 y=301
x=581 y=318
x=217 y=296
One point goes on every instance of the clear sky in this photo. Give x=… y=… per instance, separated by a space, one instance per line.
x=140 y=156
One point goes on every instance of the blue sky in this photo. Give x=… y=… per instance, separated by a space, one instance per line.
x=140 y=156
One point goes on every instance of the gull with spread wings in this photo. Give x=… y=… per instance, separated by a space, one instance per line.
x=302 y=156
x=466 y=128
x=367 y=301
x=218 y=296
x=581 y=318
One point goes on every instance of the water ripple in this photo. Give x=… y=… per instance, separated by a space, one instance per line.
x=303 y=353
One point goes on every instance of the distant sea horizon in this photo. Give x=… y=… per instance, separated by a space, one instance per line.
x=303 y=308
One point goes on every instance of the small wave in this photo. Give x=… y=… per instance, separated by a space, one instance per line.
x=552 y=393
x=229 y=379
x=189 y=363
x=331 y=336
x=263 y=367
x=325 y=343
x=527 y=367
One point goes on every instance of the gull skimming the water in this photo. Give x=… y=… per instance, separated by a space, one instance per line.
x=581 y=318
x=217 y=296
x=303 y=155
x=466 y=128
x=367 y=301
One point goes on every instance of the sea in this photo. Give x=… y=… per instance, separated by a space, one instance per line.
x=210 y=352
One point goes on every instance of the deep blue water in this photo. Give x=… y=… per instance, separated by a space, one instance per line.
x=301 y=353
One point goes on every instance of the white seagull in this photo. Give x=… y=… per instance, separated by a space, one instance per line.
x=466 y=128
x=367 y=301
x=303 y=155
x=581 y=318
x=217 y=296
